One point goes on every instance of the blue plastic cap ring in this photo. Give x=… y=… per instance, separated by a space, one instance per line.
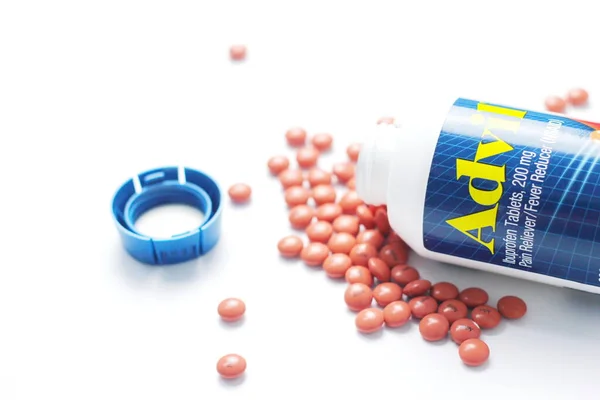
x=162 y=186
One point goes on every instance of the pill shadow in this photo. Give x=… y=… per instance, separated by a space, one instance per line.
x=371 y=336
x=232 y=325
x=478 y=369
x=400 y=330
x=497 y=330
x=232 y=382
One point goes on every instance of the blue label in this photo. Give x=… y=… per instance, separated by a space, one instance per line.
x=518 y=189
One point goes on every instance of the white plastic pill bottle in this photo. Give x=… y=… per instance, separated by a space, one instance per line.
x=490 y=187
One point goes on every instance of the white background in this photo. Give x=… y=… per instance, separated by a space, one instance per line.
x=92 y=92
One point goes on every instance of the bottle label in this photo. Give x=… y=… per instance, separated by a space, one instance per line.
x=518 y=189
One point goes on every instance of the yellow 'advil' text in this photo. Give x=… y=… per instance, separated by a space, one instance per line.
x=490 y=145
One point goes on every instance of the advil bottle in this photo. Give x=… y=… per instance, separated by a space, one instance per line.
x=494 y=188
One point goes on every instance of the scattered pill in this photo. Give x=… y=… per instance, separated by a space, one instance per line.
x=322 y=141
x=473 y=352
x=291 y=177
x=361 y=253
x=341 y=243
x=350 y=201
x=328 y=212
x=351 y=184
x=404 y=274
x=336 y=265
x=323 y=194
x=317 y=176
x=486 y=317
x=314 y=254
x=463 y=329
x=371 y=236
x=344 y=171
x=296 y=195
x=453 y=310
x=290 y=246
x=577 y=96
x=422 y=306
x=296 y=137
x=512 y=307
x=381 y=221
x=417 y=288
x=386 y=293
x=358 y=274
x=307 y=157
x=353 y=151
x=393 y=255
x=473 y=297
x=379 y=269
x=301 y=216
x=385 y=120
x=443 y=291
x=369 y=320
x=434 y=327
x=358 y=296
x=365 y=216
x=278 y=164
x=319 y=231
x=395 y=240
x=237 y=52
x=396 y=314
x=240 y=192
x=555 y=104
x=231 y=366
x=346 y=223
x=231 y=309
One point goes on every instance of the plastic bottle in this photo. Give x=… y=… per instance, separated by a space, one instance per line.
x=493 y=188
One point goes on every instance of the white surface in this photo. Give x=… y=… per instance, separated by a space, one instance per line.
x=93 y=92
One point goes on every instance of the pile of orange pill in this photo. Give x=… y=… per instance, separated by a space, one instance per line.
x=576 y=97
x=352 y=240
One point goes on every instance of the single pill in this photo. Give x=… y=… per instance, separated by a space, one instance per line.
x=341 y=243
x=344 y=171
x=278 y=164
x=358 y=296
x=351 y=184
x=381 y=221
x=512 y=307
x=231 y=366
x=385 y=120
x=417 y=288
x=577 y=96
x=422 y=306
x=369 y=320
x=443 y=291
x=396 y=314
x=371 y=236
x=317 y=176
x=239 y=193
x=396 y=240
x=487 y=317
x=387 y=292
x=231 y=309
x=322 y=141
x=336 y=265
x=404 y=274
x=463 y=329
x=361 y=253
x=453 y=310
x=350 y=201
x=353 y=150
x=296 y=137
x=473 y=352
x=290 y=246
x=291 y=177
x=555 y=104
x=323 y=194
x=346 y=223
x=314 y=254
x=301 y=216
x=237 y=52
x=328 y=212
x=319 y=231
x=393 y=255
x=358 y=274
x=365 y=216
x=434 y=327
x=296 y=195
x=307 y=157
x=379 y=269
x=473 y=297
